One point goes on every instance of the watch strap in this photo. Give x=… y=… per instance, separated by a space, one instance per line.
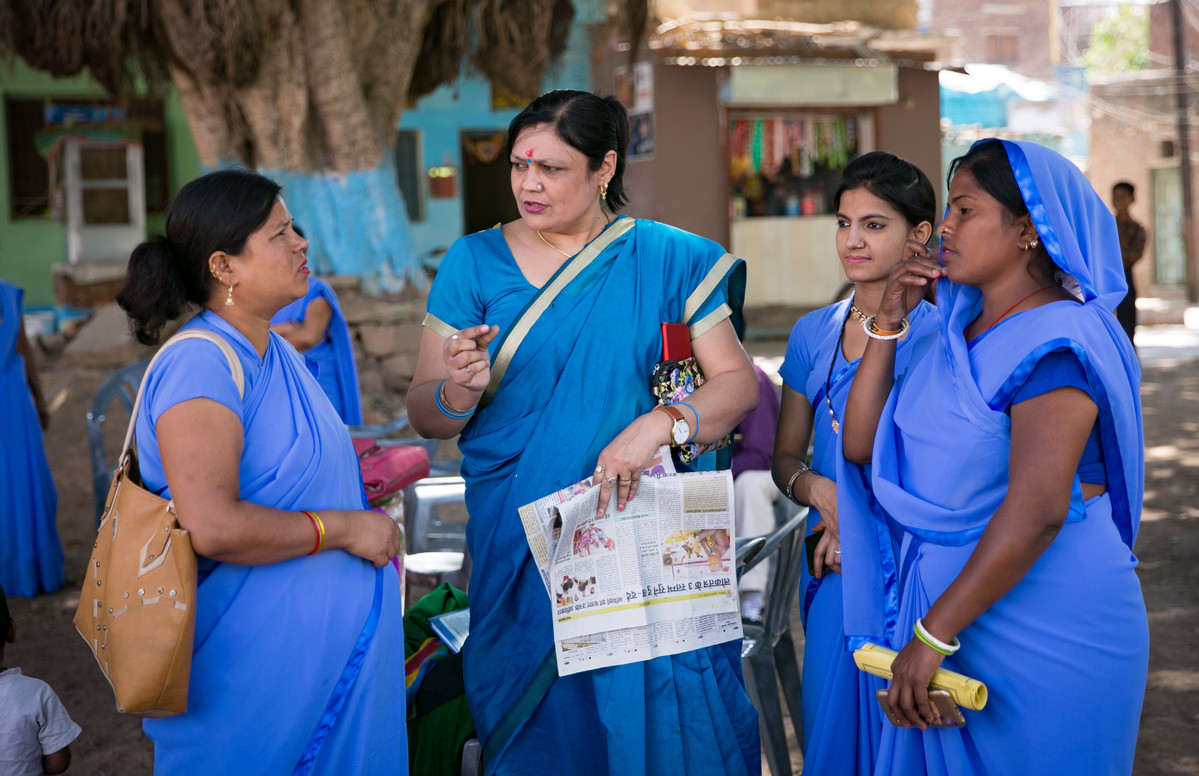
x=674 y=412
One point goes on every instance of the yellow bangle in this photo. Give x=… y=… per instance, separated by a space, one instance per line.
x=320 y=530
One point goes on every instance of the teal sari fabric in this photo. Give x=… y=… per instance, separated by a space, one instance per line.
x=276 y=643
x=578 y=378
x=1065 y=652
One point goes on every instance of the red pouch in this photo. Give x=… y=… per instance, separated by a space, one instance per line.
x=387 y=469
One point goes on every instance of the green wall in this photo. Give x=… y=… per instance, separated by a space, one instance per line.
x=29 y=247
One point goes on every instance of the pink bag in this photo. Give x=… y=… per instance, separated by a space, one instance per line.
x=387 y=469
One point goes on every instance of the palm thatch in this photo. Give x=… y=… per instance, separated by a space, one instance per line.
x=301 y=84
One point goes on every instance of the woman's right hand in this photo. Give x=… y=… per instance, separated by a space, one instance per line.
x=906 y=284
x=466 y=359
x=370 y=535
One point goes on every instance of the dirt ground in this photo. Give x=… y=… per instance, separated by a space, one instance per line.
x=48 y=647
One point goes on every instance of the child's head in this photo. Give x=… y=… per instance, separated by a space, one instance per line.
x=7 y=634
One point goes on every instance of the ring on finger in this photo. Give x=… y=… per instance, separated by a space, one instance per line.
x=610 y=480
x=836 y=552
x=467 y=370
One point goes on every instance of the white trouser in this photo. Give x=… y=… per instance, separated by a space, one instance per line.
x=754 y=494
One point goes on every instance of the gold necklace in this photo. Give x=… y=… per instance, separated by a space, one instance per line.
x=555 y=247
x=857 y=314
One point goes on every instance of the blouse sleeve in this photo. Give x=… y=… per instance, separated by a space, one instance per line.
x=193 y=369
x=1059 y=369
x=797 y=362
x=454 y=300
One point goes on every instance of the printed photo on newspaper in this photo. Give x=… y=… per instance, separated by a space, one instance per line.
x=656 y=578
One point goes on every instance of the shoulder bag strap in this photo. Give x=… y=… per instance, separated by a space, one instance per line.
x=524 y=322
x=216 y=339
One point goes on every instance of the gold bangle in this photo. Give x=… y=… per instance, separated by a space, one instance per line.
x=320 y=530
x=446 y=401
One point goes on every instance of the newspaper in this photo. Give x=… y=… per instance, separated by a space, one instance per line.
x=656 y=578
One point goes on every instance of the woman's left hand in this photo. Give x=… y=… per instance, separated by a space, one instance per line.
x=911 y=672
x=621 y=463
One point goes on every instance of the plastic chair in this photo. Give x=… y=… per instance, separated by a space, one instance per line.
x=121 y=385
x=768 y=653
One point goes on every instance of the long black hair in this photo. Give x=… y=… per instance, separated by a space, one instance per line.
x=216 y=212
x=894 y=180
x=588 y=123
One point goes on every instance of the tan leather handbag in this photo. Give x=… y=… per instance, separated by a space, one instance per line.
x=137 y=607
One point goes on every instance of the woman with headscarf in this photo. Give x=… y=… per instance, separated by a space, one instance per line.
x=574 y=401
x=1009 y=461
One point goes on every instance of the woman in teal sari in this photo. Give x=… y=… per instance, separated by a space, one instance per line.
x=1009 y=459
x=298 y=662
x=573 y=400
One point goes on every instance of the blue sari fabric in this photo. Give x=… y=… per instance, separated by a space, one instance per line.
x=272 y=641
x=579 y=377
x=334 y=355
x=31 y=559
x=1065 y=652
x=842 y=721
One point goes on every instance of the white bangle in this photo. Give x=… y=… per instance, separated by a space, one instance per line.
x=940 y=646
x=872 y=331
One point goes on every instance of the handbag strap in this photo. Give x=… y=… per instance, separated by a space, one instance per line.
x=204 y=334
x=524 y=323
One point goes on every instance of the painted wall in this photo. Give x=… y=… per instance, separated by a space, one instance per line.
x=29 y=247
x=911 y=128
x=465 y=106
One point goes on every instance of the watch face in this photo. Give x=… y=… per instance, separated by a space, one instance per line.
x=681 y=431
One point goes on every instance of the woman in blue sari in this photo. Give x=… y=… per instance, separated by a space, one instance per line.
x=316 y=326
x=31 y=559
x=299 y=647
x=1009 y=458
x=882 y=202
x=573 y=401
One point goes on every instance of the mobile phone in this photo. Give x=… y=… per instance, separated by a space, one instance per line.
x=809 y=545
x=948 y=713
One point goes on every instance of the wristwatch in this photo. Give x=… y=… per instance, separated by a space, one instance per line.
x=680 y=429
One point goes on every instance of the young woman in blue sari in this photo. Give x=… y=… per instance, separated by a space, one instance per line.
x=298 y=659
x=573 y=401
x=883 y=201
x=317 y=328
x=1009 y=458
x=31 y=560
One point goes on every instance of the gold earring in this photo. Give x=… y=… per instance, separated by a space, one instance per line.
x=604 y=190
x=1034 y=244
x=229 y=298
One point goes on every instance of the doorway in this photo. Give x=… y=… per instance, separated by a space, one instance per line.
x=1169 y=254
x=486 y=188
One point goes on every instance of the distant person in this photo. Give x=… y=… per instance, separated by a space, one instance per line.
x=1132 y=246
x=316 y=327
x=754 y=491
x=35 y=730
x=31 y=559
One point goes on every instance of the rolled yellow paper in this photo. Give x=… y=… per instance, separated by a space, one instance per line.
x=966 y=692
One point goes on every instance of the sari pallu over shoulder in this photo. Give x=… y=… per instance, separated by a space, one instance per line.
x=578 y=377
x=257 y=649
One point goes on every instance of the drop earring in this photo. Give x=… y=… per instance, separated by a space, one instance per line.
x=604 y=191
x=229 y=298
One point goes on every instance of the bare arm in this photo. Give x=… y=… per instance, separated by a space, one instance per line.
x=35 y=385
x=56 y=762
x=443 y=359
x=309 y=333
x=810 y=488
x=728 y=395
x=876 y=374
x=201 y=446
x=1048 y=436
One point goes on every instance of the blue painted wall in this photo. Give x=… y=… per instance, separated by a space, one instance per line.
x=442 y=116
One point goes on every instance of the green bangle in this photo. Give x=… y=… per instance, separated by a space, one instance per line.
x=934 y=643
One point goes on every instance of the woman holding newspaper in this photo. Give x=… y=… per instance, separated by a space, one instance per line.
x=1008 y=461
x=538 y=348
